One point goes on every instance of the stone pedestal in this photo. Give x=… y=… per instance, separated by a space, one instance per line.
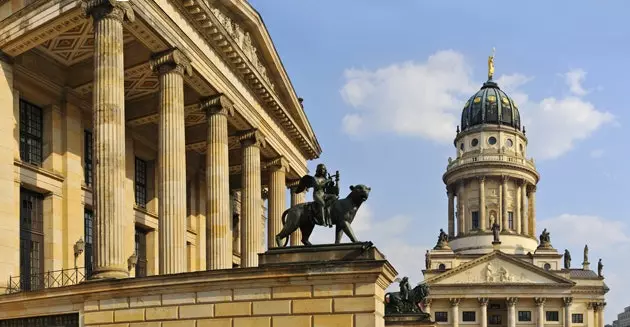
x=409 y=320
x=219 y=232
x=170 y=66
x=320 y=253
x=496 y=245
x=108 y=96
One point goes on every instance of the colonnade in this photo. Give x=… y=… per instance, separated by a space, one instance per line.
x=593 y=317
x=460 y=218
x=109 y=158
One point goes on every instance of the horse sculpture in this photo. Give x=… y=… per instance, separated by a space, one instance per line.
x=407 y=301
x=342 y=213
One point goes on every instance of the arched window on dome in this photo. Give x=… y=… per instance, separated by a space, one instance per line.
x=442 y=267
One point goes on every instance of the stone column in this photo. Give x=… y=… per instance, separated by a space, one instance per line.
x=599 y=311
x=296 y=198
x=451 y=213
x=523 y=202
x=567 y=311
x=532 y=211
x=461 y=209
x=511 y=314
x=482 y=203
x=540 y=311
x=278 y=169
x=504 y=204
x=219 y=234
x=455 y=311
x=171 y=66
x=590 y=315
x=517 y=210
x=108 y=97
x=251 y=201
x=483 y=311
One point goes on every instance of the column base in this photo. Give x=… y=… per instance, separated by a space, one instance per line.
x=110 y=274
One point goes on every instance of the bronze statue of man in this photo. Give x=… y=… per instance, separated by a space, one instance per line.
x=405 y=289
x=323 y=192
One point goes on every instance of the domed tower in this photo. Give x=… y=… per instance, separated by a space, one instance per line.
x=491 y=179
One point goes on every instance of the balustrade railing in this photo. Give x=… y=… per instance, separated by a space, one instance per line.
x=491 y=157
x=49 y=279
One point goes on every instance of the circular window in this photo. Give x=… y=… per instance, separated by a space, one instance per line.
x=492 y=140
x=461 y=146
x=509 y=143
x=474 y=142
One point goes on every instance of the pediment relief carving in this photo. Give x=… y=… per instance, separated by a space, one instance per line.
x=243 y=40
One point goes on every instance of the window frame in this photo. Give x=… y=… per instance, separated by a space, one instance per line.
x=31 y=144
x=31 y=235
x=88 y=236
x=140 y=250
x=511 y=220
x=556 y=313
x=470 y=314
x=576 y=315
x=443 y=314
x=528 y=315
x=475 y=219
x=140 y=182
x=88 y=154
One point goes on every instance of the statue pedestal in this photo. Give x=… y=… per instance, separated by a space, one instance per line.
x=325 y=253
x=409 y=320
x=496 y=245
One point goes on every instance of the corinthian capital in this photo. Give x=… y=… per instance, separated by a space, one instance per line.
x=252 y=138
x=217 y=104
x=172 y=60
x=279 y=163
x=115 y=9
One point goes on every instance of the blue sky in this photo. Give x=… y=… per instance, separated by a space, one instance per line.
x=383 y=85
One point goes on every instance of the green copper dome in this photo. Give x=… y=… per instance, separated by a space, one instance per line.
x=490 y=105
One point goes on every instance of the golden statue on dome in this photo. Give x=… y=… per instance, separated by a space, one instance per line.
x=491 y=65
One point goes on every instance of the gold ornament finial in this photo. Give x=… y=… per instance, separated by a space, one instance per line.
x=491 y=65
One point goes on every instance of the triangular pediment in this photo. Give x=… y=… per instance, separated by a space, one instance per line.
x=498 y=268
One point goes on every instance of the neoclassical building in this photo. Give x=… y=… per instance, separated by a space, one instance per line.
x=477 y=280
x=141 y=138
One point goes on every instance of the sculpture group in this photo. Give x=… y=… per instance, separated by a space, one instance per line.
x=326 y=209
x=407 y=300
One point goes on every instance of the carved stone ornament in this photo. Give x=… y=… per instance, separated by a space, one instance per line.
x=252 y=137
x=171 y=60
x=100 y=9
x=539 y=301
x=511 y=301
x=483 y=301
x=243 y=40
x=567 y=301
x=454 y=301
x=217 y=104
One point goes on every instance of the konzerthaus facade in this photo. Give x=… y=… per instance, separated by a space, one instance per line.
x=141 y=138
x=496 y=270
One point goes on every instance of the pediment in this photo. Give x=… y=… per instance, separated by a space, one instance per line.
x=498 y=268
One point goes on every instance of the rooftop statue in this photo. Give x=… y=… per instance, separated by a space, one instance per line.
x=545 y=239
x=600 y=266
x=326 y=209
x=567 y=259
x=491 y=66
x=442 y=242
x=407 y=300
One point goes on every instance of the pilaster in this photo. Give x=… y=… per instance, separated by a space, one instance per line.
x=109 y=135
x=171 y=66
x=277 y=198
x=219 y=233
x=251 y=201
x=482 y=203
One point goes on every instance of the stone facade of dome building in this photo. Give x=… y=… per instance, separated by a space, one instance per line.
x=495 y=270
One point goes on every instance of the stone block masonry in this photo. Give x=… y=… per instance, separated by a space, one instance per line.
x=347 y=290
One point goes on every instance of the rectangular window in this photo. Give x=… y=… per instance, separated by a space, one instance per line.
x=510 y=220
x=577 y=318
x=141 y=183
x=468 y=316
x=88 y=221
x=441 y=316
x=524 y=316
x=494 y=320
x=475 y=219
x=551 y=316
x=31 y=131
x=31 y=240
x=87 y=158
x=141 y=253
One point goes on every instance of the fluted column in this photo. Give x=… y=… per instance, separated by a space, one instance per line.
x=599 y=310
x=483 y=309
x=451 y=213
x=482 y=203
x=251 y=201
x=278 y=169
x=296 y=198
x=219 y=233
x=567 y=311
x=461 y=209
x=517 y=213
x=108 y=97
x=504 y=206
x=511 y=314
x=532 y=210
x=455 y=311
x=523 y=202
x=171 y=66
x=540 y=311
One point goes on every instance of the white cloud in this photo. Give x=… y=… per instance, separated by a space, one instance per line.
x=574 y=79
x=390 y=236
x=425 y=100
x=597 y=153
x=607 y=239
